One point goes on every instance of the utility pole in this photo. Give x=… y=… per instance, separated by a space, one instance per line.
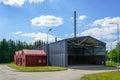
x=117 y=44
x=48 y=33
x=48 y=48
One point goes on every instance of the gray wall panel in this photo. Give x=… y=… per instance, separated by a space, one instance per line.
x=57 y=53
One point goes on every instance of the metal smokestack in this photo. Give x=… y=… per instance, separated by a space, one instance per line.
x=74 y=24
x=55 y=39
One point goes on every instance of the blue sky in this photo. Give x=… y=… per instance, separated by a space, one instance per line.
x=29 y=20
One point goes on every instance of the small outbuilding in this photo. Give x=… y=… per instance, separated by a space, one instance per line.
x=27 y=57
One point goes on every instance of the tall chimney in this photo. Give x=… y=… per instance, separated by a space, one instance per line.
x=55 y=39
x=74 y=24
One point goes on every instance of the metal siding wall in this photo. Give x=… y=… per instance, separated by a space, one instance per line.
x=66 y=53
x=57 y=54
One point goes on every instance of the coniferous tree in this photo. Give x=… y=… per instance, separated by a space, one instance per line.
x=8 y=48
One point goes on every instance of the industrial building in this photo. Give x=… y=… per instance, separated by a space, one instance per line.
x=27 y=57
x=75 y=51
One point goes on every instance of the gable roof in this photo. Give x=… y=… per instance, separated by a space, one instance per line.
x=85 y=40
x=82 y=41
x=33 y=52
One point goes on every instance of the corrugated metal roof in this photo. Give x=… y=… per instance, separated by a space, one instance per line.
x=85 y=40
x=86 y=37
x=34 y=52
x=89 y=40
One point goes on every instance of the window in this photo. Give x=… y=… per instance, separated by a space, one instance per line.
x=39 y=61
x=44 y=61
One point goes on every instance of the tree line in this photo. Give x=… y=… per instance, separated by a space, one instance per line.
x=114 y=54
x=8 y=48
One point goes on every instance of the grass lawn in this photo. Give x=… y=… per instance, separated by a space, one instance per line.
x=109 y=63
x=36 y=68
x=114 y=75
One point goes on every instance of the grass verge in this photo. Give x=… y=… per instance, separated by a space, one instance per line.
x=114 y=75
x=36 y=68
x=109 y=63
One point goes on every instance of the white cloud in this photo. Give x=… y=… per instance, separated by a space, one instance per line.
x=18 y=32
x=38 y=36
x=71 y=18
x=54 y=1
x=36 y=1
x=111 y=45
x=19 y=2
x=99 y=33
x=82 y=17
x=105 y=21
x=13 y=2
x=46 y=21
x=102 y=29
x=92 y=32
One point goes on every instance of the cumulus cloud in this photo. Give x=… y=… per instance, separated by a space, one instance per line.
x=36 y=1
x=19 y=2
x=105 y=21
x=38 y=36
x=46 y=21
x=18 y=32
x=82 y=17
x=13 y=2
x=54 y=1
x=102 y=29
x=99 y=33
x=111 y=45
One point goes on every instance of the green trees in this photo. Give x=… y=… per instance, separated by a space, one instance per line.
x=8 y=48
x=38 y=43
x=113 y=54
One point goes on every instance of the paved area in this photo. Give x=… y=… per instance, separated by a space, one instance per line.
x=73 y=73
